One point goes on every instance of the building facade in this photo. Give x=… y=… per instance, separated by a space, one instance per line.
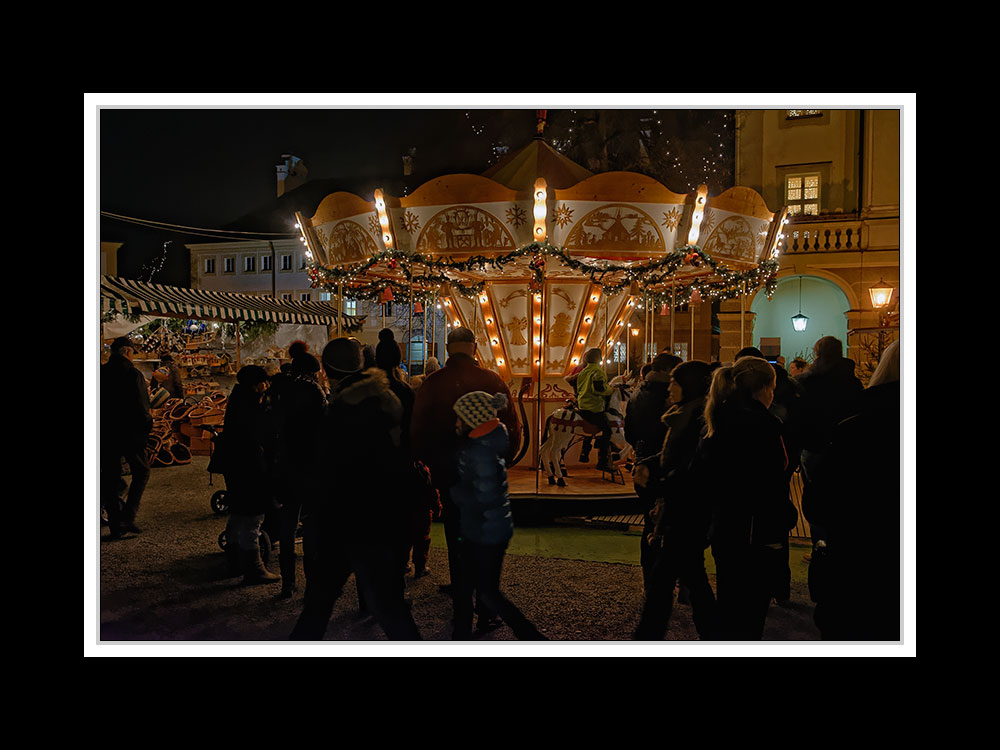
x=839 y=173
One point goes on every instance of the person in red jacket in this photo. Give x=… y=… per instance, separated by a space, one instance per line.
x=433 y=426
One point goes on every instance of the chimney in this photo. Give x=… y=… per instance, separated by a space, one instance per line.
x=292 y=172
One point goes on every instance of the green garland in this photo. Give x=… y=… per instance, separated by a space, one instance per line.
x=650 y=273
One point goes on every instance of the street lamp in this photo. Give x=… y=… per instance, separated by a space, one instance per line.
x=800 y=321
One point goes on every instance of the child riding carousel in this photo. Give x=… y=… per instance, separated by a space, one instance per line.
x=592 y=392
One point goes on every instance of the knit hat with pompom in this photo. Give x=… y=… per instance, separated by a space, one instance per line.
x=479 y=406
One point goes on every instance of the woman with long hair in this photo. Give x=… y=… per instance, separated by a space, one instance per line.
x=748 y=471
x=679 y=534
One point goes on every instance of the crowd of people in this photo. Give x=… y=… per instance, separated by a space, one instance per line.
x=365 y=461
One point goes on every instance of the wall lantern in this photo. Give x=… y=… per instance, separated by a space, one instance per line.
x=881 y=294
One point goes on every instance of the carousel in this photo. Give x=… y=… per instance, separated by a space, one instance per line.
x=545 y=260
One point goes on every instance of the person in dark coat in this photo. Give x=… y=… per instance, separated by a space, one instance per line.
x=355 y=522
x=856 y=500
x=125 y=426
x=298 y=404
x=645 y=431
x=249 y=439
x=746 y=468
x=433 y=427
x=681 y=517
x=484 y=508
x=423 y=505
x=829 y=393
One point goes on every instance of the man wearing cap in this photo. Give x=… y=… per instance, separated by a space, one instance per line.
x=355 y=521
x=125 y=426
x=433 y=426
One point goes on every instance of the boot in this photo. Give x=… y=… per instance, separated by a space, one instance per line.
x=254 y=570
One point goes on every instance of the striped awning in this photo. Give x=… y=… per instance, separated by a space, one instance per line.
x=140 y=298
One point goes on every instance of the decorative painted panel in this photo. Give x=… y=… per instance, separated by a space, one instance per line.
x=512 y=304
x=732 y=236
x=565 y=305
x=350 y=240
x=463 y=229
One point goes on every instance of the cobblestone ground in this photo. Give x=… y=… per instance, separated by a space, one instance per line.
x=169 y=585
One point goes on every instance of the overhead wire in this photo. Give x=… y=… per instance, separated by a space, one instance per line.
x=199 y=231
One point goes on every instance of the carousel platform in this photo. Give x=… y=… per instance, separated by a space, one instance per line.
x=587 y=493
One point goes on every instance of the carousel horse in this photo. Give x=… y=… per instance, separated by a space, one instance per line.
x=565 y=424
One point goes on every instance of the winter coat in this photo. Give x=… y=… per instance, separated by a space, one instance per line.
x=125 y=417
x=855 y=498
x=830 y=393
x=592 y=388
x=855 y=485
x=433 y=427
x=367 y=475
x=644 y=428
x=298 y=405
x=746 y=472
x=248 y=445
x=481 y=492
x=682 y=506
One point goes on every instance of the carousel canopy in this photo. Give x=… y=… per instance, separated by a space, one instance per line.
x=140 y=298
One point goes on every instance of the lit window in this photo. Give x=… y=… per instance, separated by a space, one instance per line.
x=350 y=307
x=286 y=262
x=229 y=264
x=795 y=114
x=210 y=265
x=802 y=194
x=325 y=296
x=249 y=264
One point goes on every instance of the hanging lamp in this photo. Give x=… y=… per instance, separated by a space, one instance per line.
x=800 y=321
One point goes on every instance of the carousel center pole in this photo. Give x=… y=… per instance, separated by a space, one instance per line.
x=742 y=316
x=691 y=342
x=673 y=312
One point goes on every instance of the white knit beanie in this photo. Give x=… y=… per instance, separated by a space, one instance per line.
x=479 y=406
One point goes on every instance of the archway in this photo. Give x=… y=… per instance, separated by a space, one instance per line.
x=823 y=302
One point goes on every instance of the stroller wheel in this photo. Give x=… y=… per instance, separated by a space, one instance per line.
x=218 y=502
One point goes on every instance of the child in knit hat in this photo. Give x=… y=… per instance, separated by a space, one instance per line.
x=486 y=527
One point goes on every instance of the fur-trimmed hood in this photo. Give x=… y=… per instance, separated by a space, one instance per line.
x=370 y=383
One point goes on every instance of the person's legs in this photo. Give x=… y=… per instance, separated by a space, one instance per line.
x=488 y=566
x=290 y=509
x=376 y=568
x=140 y=477
x=462 y=596
x=743 y=594
x=703 y=605
x=659 y=601
x=327 y=570
x=244 y=532
x=111 y=470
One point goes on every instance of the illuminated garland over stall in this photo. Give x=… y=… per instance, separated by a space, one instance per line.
x=649 y=274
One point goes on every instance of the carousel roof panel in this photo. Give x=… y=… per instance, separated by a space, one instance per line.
x=458 y=189
x=520 y=169
x=621 y=186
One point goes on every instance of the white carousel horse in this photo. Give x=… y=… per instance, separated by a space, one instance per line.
x=565 y=423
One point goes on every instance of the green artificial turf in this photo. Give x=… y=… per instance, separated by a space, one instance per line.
x=601 y=545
